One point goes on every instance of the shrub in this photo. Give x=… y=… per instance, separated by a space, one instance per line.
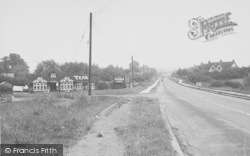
x=117 y=85
x=198 y=77
x=103 y=85
x=5 y=89
x=138 y=78
x=216 y=83
x=232 y=84
x=247 y=82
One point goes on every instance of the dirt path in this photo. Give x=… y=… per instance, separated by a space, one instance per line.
x=109 y=144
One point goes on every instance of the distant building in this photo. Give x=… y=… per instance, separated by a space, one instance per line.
x=214 y=66
x=53 y=79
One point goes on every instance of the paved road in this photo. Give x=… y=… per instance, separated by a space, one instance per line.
x=206 y=123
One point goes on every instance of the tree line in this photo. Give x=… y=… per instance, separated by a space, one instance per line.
x=215 y=78
x=15 y=64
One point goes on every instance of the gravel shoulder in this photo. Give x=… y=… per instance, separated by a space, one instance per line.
x=106 y=144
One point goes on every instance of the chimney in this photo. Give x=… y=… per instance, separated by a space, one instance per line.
x=220 y=60
x=209 y=62
x=233 y=60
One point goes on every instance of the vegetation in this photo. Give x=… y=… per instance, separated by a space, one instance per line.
x=14 y=64
x=5 y=89
x=247 y=81
x=146 y=135
x=51 y=118
x=217 y=79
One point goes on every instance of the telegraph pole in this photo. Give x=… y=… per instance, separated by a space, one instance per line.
x=143 y=71
x=132 y=72
x=90 y=51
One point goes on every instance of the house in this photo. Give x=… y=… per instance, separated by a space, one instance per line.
x=217 y=66
x=53 y=79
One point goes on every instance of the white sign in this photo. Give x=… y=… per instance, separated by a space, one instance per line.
x=81 y=77
x=119 y=79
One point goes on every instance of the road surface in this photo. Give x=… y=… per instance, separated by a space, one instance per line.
x=205 y=123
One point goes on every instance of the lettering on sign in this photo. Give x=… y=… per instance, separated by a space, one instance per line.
x=211 y=28
x=119 y=79
x=81 y=77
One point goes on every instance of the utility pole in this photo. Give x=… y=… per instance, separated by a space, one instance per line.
x=143 y=71
x=90 y=51
x=132 y=68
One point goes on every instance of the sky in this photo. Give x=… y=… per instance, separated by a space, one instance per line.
x=155 y=32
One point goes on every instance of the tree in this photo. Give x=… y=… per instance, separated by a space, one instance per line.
x=15 y=64
x=45 y=64
x=110 y=72
x=135 y=65
x=75 y=68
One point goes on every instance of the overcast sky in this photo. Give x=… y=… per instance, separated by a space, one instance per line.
x=153 y=31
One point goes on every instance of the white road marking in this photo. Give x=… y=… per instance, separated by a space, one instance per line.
x=228 y=107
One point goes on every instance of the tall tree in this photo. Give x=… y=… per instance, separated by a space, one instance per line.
x=45 y=64
x=75 y=68
x=14 y=63
x=135 y=66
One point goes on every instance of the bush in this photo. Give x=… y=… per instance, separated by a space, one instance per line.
x=198 y=77
x=232 y=84
x=5 y=89
x=118 y=85
x=103 y=85
x=247 y=82
x=138 y=78
x=216 y=83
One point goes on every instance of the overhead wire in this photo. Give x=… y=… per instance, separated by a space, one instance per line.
x=83 y=35
x=96 y=13
x=104 y=8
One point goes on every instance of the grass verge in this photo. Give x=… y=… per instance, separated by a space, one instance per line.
x=146 y=135
x=44 y=119
x=126 y=91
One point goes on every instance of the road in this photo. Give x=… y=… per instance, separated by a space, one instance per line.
x=205 y=123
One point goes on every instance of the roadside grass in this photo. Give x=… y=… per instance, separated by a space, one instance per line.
x=245 y=90
x=154 y=89
x=43 y=120
x=145 y=134
x=128 y=91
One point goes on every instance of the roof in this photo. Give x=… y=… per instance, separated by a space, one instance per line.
x=224 y=65
x=46 y=74
x=5 y=83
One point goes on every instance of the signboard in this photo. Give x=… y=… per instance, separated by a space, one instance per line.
x=199 y=84
x=81 y=77
x=119 y=80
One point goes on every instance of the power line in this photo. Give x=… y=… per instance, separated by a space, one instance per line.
x=105 y=7
x=78 y=47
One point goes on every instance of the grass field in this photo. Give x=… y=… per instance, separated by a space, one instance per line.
x=61 y=118
x=146 y=135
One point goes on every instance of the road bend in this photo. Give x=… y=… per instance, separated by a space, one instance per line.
x=206 y=123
